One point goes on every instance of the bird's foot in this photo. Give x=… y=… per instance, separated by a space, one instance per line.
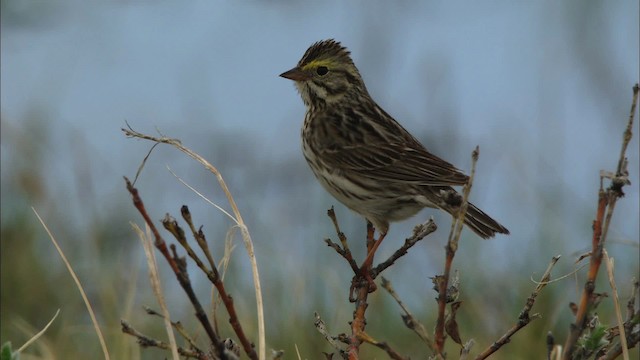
x=364 y=279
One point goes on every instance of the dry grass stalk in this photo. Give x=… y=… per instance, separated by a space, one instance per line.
x=87 y=303
x=156 y=285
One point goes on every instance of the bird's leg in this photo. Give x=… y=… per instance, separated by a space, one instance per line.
x=368 y=261
x=370 y=232
x=365 y=269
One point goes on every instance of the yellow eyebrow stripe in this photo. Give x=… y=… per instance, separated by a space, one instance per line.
x=316 y=63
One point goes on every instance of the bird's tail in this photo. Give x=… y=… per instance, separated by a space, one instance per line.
x=482 y=224
x=447 y=199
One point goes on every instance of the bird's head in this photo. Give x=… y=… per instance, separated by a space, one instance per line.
x=326 y=74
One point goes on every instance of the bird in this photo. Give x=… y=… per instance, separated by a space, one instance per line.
x=363 y=157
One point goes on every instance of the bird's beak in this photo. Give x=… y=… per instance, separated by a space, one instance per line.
x=296 y=74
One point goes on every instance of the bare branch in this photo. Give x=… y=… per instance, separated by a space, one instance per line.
x=451 y=248
x=409 y=320
x=322 y=329
x=420 y=231
x=237 y=218
x=178 y=269
x=393 y=354
x=606 y=203
x=146 y=341
x=524 y=318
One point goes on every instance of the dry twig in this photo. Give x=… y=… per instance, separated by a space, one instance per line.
x=606 y=203
x=409 y=320
x=420 y=231
x=451 y=248
x=524 y=318
x=344 y=251
x=212 y=274
x=175 y=325
x=322 y=329
x=237 y=218
x=145 y=341
x=393 y=354
x=179 y=269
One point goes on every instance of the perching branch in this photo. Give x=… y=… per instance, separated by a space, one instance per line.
x=362 y=283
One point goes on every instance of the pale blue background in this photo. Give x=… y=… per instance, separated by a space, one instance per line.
x=543 y=87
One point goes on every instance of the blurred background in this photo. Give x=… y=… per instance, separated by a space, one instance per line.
x=544 y=88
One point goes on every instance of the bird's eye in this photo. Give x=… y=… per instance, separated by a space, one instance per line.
x=322 y=70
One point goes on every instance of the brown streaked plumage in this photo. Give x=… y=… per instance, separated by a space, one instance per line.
x=362 y=156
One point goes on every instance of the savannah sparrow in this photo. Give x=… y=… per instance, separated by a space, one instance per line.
x=365 y=158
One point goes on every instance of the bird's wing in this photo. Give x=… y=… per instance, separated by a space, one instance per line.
x=394 y=162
